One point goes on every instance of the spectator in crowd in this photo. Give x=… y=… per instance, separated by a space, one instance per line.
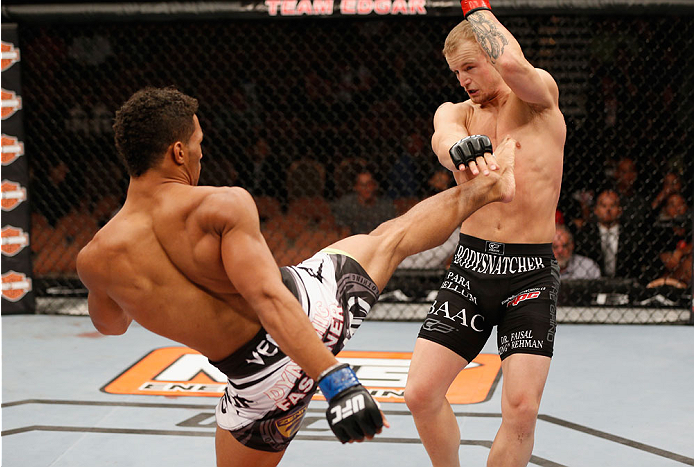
x=260 y=170
x=345 y=172
x=440 y=256
x=305 y=179
x=609 y=242
x=634 y=207
x=572 y=266
x=59 y=191
x=671 y=184
x=678 y=267
x=403 y=176
x=580 y=205
x=363 y=209
x=672 y=224
x=440 y=180
x=674 y=209
x=671 y=234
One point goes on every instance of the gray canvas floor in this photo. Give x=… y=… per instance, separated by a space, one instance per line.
x=617 y=395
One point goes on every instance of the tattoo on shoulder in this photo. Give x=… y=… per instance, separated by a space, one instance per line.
x=488 y=36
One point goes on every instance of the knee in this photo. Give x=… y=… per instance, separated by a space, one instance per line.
x=521 y=411
x=419 y=398
x=390 y=235
x=390 y=230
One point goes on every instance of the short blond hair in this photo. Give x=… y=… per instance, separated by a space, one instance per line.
x=461 y=33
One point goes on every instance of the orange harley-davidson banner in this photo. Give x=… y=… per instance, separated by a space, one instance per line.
x=180 y=371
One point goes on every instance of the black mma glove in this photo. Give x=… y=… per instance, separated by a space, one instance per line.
x=469 y=148
x=352 y=413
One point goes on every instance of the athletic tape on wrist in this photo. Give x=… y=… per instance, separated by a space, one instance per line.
x=338 y=380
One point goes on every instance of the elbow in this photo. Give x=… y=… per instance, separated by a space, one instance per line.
x=441 y=152
x=444 y=159
x=436 y=147
x=510 y=65
x=111 y=329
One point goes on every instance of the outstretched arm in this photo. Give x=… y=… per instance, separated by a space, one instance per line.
x=352 y=413
x=250 y=266
x=531 y=85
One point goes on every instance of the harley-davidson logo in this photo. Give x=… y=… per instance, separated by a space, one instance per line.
x=14 y=240
x=12 y=148
x=9 y=55
x=15 y=286
x=12 y=195
x=9 y=104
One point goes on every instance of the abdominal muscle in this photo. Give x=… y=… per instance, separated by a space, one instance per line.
x=529 y=218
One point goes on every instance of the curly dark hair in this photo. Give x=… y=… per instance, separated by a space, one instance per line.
x=149 y=122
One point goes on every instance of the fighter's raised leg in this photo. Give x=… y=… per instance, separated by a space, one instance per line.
x=430 y=222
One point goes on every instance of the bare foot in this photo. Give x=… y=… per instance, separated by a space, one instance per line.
x=505 y=155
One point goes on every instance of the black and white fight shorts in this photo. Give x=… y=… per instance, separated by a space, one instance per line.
x=267 y=393
x=510 y=285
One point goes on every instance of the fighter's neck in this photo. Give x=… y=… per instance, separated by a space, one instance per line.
x=498 y=99
x=154 y=181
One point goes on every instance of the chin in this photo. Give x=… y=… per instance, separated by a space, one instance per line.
x=478 y=99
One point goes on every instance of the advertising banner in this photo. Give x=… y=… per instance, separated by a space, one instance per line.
x=17 y=291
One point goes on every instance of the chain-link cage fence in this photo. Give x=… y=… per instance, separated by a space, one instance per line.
x=314 y=116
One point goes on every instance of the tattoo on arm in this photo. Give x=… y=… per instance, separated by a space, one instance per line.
x=488 y=36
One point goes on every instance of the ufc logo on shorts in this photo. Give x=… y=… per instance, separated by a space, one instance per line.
x=352 y=405
x=523 y=296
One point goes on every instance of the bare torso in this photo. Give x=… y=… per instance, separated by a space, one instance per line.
x=530 y=217
x=166 y=272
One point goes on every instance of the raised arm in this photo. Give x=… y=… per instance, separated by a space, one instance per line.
x=532 y=85
x=250 y=266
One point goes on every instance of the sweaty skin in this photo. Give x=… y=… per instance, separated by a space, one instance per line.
x=507 y=97
x=190 y=263
x=171 y=251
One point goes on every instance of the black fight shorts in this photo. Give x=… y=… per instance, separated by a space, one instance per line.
x=510 y=285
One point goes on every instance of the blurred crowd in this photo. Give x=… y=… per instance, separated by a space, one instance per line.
x=618 y=232
x=330 y=131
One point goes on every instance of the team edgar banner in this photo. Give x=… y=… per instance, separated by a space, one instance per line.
x=152 y=10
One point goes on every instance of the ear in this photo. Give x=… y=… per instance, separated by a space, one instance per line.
x=178 y=153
